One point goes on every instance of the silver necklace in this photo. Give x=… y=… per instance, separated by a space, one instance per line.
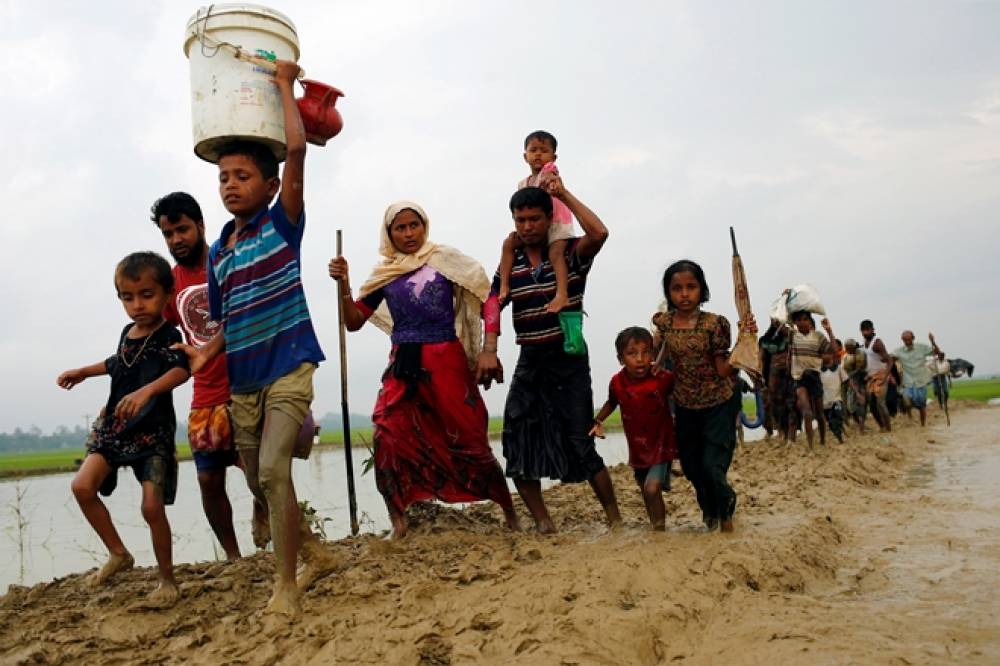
x=121 y=352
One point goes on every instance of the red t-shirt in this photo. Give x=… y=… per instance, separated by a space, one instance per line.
x=189 y=311
x=645 y=408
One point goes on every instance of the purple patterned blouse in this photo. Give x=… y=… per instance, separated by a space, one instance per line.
x=421 y=304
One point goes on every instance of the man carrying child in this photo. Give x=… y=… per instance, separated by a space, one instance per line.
x=540 y=156
x=549 y=410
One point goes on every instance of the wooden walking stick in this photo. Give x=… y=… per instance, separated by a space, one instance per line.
x=943 y=382
x=352 y=497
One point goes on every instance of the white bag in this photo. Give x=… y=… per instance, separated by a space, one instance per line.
x=799 y=298
x=779 y=310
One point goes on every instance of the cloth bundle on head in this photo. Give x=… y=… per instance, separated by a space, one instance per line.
x=471 y=285
x=800 y=298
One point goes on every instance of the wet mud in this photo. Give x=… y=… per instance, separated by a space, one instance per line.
x=880 y=551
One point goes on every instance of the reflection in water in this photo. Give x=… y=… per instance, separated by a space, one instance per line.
x=921 y=475
x=45 y=535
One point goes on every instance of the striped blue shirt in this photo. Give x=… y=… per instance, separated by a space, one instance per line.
x=255 y=290
x=531 y=289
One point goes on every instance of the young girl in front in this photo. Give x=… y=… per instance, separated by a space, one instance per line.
x=137 y=425
x=644 y=399
x=706 y=402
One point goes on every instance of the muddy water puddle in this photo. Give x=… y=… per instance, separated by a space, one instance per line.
x=922 y=475
x=929 y=558
x=43 y=534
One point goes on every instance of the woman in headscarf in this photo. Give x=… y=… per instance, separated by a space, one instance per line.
x=430 y=422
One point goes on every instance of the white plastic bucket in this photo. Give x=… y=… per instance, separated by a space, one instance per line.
x=232 y=98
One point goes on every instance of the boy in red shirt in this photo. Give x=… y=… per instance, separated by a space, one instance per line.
x=649 y=426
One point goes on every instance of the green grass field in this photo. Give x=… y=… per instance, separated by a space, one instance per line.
x=980 y=390
x=64 y=460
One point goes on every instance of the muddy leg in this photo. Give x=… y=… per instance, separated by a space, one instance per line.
x=817 y=405
x=260 y=527
x=805 y=407
x=652 y=496
x=277 y=441
x=218 y=509
x=85 y=486
x=318 y=560
x=531 y=493
x=605 y=491
x=155 y=514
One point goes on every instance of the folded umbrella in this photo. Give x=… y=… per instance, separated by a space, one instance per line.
x=745 y=354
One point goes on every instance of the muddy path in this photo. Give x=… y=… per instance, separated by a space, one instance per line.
x=883 y=550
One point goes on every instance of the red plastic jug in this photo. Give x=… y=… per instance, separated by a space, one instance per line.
x=320 y=116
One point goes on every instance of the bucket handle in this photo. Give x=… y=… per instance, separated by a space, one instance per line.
x=207 y=42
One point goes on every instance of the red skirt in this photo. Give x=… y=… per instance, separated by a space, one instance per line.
x=434 y=445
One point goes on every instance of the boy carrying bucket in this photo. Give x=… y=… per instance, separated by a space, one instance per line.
x=255 y=291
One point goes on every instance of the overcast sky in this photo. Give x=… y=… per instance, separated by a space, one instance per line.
x=853 y=145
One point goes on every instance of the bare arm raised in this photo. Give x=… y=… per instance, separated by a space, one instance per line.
x=594 y=231
x=292 y=178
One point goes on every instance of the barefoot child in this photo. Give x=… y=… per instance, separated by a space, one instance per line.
x=137 y=425
x=540 y=154
x=697 y=345
x=649 y=428
x=255 y=291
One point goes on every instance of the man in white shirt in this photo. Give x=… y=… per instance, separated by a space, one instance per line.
x=916 y=375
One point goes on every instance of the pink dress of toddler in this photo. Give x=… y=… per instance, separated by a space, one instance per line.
x=562 y=218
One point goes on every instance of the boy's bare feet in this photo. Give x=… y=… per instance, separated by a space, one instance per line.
x=318 y=562
x=558 y=302
x=284 y=600
x=115 y=564
x=163 y=597
x=726 y=525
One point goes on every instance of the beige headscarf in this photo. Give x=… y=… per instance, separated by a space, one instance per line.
x=471 y=285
